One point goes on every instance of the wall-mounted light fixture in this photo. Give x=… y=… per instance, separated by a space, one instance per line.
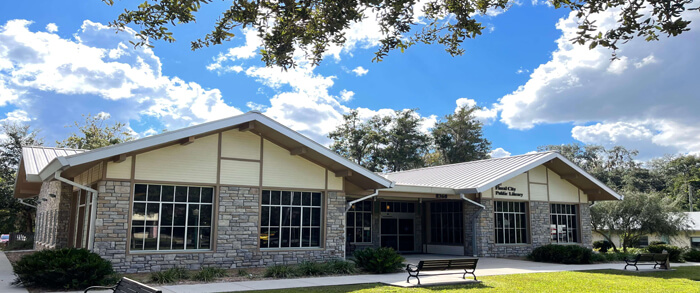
x=44 y=199
x=52 y=195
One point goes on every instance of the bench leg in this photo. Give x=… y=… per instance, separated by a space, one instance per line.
x=414 y=276
x=468 y=272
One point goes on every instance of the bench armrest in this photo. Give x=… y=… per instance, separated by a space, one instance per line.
x=409 y=269
x=100 y=288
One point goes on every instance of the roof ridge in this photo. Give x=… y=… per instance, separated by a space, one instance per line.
x=53 y=148
x=471 y=162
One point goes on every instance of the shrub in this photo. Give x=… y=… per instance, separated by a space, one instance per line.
x=310 y=268
x=378 y=260
x=566 y=254
x=171 y=275
x=692 y=255
x=242 y=273
x=602 y=245
x=280 y=271
x=20 y=245
x=208 y=274
x=675 y=253
x=66 y=268
x=340 y=267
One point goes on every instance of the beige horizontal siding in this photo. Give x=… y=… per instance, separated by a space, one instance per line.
x=240 y=173
x=280 y=169
x=195 y=162
x=240 y=144
x=119 y=170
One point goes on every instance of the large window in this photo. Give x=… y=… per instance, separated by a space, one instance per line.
x=446 y=223
x=359 y=222
x=511 y=222
x=564 y=223
x=166 y=217
x=290 y=219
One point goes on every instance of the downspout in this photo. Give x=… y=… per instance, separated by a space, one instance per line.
x=21 y=200
x=93 y=208
x=347 y=208
x=474 y=222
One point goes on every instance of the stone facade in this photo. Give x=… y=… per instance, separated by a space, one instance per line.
x=539 y=228
x=53 y=215
x=236 y=238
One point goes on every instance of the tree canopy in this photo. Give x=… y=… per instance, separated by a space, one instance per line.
x=14 y=216
x=95 y=133
x=459 y=137
x=313 y=26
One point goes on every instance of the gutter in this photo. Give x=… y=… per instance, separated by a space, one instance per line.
x=474 y=222
x=93 y=208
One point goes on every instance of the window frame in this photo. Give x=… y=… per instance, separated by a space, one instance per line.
x=444 y=229
x=697 y=241
x=521 y=216
x=572 y=218
x=301 y=226
x=186 y=226
x=354 y=212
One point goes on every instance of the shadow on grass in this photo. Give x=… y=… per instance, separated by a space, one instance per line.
x=688 y=272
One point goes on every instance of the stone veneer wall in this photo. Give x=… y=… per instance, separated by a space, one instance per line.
x=539 y=230
x=53 y=216
x=236 y=242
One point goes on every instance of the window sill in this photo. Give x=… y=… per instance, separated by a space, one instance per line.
x=513 y=244
x=291 y=249
x=190 y=251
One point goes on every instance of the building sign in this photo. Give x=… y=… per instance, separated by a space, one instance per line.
x=506 y=191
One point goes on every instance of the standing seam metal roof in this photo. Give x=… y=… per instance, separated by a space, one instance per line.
x=35 y=158
x=465 y=175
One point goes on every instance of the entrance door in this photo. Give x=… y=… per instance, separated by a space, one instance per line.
x=82 y=219
x=397 y=233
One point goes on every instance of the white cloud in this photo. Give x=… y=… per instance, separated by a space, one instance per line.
x=16 y=116
x=149 y=132
x=360 y=71
x=51 y=27
x=485 y=115
x=246 y=51
x=642 y=100
x=346 y=95
x=96 y=64
x=499 y=153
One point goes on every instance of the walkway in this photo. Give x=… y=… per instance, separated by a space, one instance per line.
x=7 y=276
x=486 y=267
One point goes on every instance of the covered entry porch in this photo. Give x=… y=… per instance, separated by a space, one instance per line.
x=411 y=223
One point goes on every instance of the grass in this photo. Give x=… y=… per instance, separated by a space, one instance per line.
x=683 y=279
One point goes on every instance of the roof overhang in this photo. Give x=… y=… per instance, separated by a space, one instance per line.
x=595 y=189
x=265 y=126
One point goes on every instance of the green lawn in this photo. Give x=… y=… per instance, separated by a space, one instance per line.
x=683 y=279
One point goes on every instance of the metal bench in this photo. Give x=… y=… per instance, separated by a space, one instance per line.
x=127 y=285
x=466 y=264
x=656 y=259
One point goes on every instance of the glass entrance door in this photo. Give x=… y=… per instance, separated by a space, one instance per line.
x=397 y=233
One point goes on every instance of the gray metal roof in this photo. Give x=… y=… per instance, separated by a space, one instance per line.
x=35 y=158
x=479 y=176
x=319 y=152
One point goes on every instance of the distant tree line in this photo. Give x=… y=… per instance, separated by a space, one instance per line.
x=395 y=142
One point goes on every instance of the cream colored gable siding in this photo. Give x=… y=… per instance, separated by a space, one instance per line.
x=538 y=174
x=280 y=169
x=538 y=192
x=584 y=197
x=240 y=145
x=561 y=190
x=240 y=173
x=519 y=183
x=90 y=176
x=195 y=162
x=334 y=183
x=119 y=170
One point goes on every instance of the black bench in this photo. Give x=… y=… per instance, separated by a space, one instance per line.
x=466 y=264
x=127 y=285
x=656 y=259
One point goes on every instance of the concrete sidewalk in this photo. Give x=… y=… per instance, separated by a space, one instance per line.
x=486 y=267
x=7 y=276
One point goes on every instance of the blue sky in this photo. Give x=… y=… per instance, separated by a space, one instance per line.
x=58 y=60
